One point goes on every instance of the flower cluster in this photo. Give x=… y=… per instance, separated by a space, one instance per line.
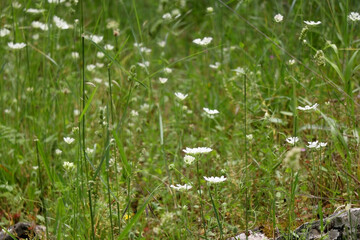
x=195 y=151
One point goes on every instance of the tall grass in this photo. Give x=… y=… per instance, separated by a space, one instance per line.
x=129 y=129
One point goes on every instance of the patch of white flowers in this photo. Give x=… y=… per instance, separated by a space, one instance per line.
x=203 y=42
x=312 y=23
x=354 y=16
x=181 y=187
x=195 y=151
x=215 y=179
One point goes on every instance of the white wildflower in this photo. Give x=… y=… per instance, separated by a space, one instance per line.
x=69 y=140
x=68 y=165
x=189 y=159
x=211 y=111
x=100 y=54
x=354 y=16
x=58 y=151
x=195 y=151
x=180 y=95
x=16 y=45
x=312 y=23
x=56 y=1
x=312 y=144
x=162 y=43
x=163 y=80
x=4 y=32
x=181 y=187
x=16 y=4
x=215 y=179
x=215 y=66
x=209 y=9
x=278 y=18
x=76 y=112
x=91 y=67
x=97 y=80
x=134 y=113
x=40 y=25
x=95 y=38
x=109 y=47
x=239 y=71
x=60 y=23
x=292 y=140
x=167 y=16
x=145 y=64
x=203 y=42
x=90 y=150
x=99 y=65
x=291 y=62
x=75 y=55
x=321 y=145
x=307 y=107
x=34 y=10
x=168 y=70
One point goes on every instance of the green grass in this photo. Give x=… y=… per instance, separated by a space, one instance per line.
x=130 y=130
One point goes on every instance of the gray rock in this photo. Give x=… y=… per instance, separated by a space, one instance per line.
x=342 y=225
x=23 y=231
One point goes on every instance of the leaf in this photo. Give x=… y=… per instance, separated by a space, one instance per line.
x=135 y=218
x=87 y=104
x=45 y=160
x=122 y=154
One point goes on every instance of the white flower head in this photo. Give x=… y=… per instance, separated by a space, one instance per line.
x=195 y=151
x=209 y=9
x=312 y=23
x=215 y=179
x=100 y=54
x=167 y=16
x=34 y=10
x=60 y=23
x=144 y=64
x=307 y=107
x=75 y=55
x=40 y=25
x=239 y=71
x=4 y=32
x=278 y=18
x=91 y=67
x=181 y=187
x=321 y=145
x=180 y=95
x=161 y=44
x=109 y=47
x=95 y=38
x=215 y=66
x=56 y=1
x=291 y=62
x=189 y=159
x=68 y=165
x=313 y=144
x=58 y=151
x=168 y=70
x=203 y=42
x=292 y=140
x=90 y=150
x=211 y=111
x=354 y=16
x=16 y=45
x=163 y=80
x=69 y=140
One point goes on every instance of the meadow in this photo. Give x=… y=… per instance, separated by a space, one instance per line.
x=177 y=119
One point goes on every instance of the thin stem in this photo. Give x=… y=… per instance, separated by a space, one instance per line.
x=201 y=205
